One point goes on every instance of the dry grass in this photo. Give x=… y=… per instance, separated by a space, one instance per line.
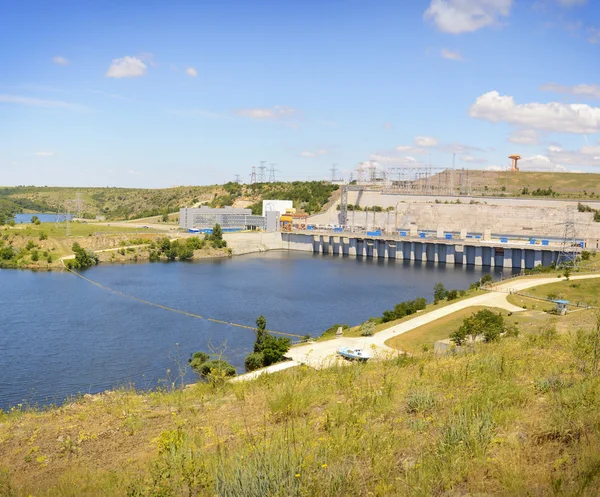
x=517 y=417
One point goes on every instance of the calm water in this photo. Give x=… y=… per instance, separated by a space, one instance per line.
x=60 y=335
x=44 y=218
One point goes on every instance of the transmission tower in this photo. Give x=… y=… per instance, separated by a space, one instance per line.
x=253 y=175
x=272 y=172
x=333 y=172
x=237 y=178
x=261 y=171
x=568 y=248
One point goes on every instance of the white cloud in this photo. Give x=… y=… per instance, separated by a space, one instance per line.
x=136 y=173
x=388 y=126
x=594 y=35
x=409 y=149
x=190 y=71
x=38 y=102
x=583 y=90
x=276 y=112
x=451 y=54
x=425 y=141
x=318 y=153
x=61 y=61
x=585 y=156
x=466 y=16
x=524 y=137
x=540 y=163
x=495 y=168
x=45 y=154
x=472 y=160
x=553 y=116
x=126 y=67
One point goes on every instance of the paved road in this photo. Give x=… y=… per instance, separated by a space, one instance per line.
x=322 y=354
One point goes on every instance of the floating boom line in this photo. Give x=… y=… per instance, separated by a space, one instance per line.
x=178 y=311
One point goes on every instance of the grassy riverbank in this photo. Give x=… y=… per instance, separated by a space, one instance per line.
x=520 y=416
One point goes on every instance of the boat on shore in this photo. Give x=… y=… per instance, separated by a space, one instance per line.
x=354 y=354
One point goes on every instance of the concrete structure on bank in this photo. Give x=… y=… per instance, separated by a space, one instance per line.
x=464 y=252
x=230 y=219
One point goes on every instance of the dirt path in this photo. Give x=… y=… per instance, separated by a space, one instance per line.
x=320 y=354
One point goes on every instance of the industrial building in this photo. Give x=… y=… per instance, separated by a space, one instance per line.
x=230 y=219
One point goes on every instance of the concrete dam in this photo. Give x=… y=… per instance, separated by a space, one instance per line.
x=465 y=252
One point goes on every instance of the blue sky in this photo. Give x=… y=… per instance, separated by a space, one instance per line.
x=157 y=94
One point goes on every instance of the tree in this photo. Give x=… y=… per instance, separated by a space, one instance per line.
x=486 y=278
x=367 y=329
x=261 y=333
x=567 y=273
x=267 y=349
x=452 y=294
x=35 y=220
x=484 y=322
x=83 y=258
x=439 y=292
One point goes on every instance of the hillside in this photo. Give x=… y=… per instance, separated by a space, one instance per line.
x=516 y=417
x=528 y=184
x=134 y=203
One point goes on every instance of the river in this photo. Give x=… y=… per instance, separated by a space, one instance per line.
x=61 y=335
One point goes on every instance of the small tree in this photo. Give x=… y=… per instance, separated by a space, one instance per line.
x=261 y=333
x=439 y=292
x=35 y=220
x=452 y=294
x=367 y=329
x=484 y=322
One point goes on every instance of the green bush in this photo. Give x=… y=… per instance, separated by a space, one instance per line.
x=254 y=360
x=367 y=329
x=485 y=323
x=215 y=365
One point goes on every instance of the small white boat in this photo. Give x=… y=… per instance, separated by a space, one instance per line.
x=354 y=354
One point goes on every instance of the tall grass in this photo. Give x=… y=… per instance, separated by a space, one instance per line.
x=518 y=417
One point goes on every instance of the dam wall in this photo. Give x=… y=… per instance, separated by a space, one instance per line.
x=462 y=252
x=524 y=217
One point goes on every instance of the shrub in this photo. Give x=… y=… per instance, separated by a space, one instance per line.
x=484 y=322
x=452 y=295
x=216 y=365
x=43 y=236
x=367 y=329
x=254 y=360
